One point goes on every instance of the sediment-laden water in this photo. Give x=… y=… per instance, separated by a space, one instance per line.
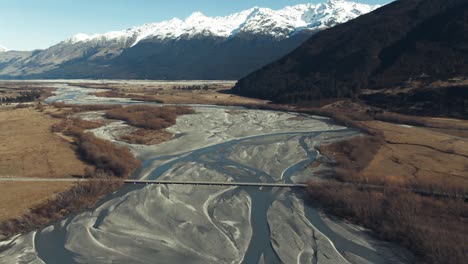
x=209 y=224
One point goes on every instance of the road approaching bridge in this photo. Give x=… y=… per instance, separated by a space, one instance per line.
x=255 y=184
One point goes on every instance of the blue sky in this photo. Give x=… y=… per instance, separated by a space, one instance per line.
x=32 y=24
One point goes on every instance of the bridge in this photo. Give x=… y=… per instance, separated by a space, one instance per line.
x=209 y=183
x=463 y=194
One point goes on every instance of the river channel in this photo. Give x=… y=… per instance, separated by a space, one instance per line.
x=209 y=224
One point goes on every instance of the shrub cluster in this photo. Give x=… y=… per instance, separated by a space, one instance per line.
x=109 y=158
x=192 y=87
x=352 y=157
x=74 y=126
x=106 y=156
x=22 y=97
x=66 y=110
x=149 y=117
x=138 y=97
x=146 y=137
x=93 y=107
x=435 y=229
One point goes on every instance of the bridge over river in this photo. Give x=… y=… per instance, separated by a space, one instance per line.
x=181 y=205
x=209 y=183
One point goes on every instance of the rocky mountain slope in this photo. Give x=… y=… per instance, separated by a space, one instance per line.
x=396 y=53
x=198 y=47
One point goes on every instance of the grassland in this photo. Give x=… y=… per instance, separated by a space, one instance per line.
x=40 y=141
x=401 y=154
x=17 y=197
x=215 y=93
x=57 y=147
x=30 y=149
x=398 y=153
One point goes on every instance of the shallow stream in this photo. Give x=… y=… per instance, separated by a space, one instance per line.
x=210 y=224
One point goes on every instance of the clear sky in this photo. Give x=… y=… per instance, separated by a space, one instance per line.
x=33 y=24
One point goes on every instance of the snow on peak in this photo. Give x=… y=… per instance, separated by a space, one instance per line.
x=3 y=49
x=277 y=23
x=80 y=37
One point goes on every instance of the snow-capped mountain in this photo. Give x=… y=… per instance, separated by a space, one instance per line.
x=3 y=49
x=277 y=23
x=198 y=47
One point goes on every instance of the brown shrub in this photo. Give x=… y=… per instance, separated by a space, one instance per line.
x=146 y=137
x=434 y=229
x=106 y=156
x=39 y=107
x=67 y=110
x=109 y=158
x=62 y=113
x=111 y=93
x=149 y=117
x=93 y=107
x=45 y=93
x=59 y=127
x=352 y=155
x=137 y=97
x=21 y=105
x=85 y=124
x=58 y=105
x=74 y=126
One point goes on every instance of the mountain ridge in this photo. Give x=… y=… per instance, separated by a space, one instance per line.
x=291 y=18
x=355 y=55
x=409 y=56
x=145 y=47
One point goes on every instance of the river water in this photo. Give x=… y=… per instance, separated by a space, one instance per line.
x=209 y=224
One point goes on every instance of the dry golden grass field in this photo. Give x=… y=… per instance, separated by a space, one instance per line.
x=16 y=198
x=30 y=149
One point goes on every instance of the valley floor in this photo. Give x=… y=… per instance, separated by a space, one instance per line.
x=380 y=178
x=177 y=92
x=399 y=151
x=215 y=143
x=29 y=149
x=412 y=156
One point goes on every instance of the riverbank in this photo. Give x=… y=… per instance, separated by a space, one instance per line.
x=216 y=144
x=40 y=141
x=428 y=154
x=30 y=149
x=106 y=160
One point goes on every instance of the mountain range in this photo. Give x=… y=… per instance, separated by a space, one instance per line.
x=199 y=47
x=409 y=56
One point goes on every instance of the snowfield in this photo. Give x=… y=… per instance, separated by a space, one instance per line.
x=257 y=20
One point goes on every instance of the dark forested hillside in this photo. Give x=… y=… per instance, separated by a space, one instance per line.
x=404 y=40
